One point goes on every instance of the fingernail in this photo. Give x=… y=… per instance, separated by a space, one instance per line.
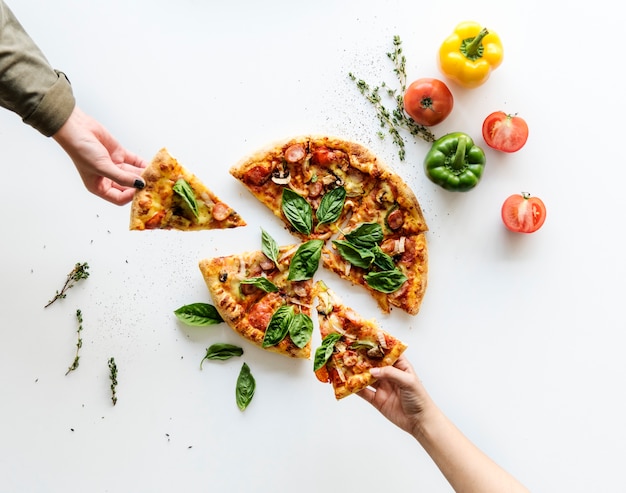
x=375 y=371
x=139 y=184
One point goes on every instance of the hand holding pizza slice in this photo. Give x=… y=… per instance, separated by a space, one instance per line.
x=351 y=345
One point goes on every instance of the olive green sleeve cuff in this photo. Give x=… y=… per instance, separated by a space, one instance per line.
x=54 y=108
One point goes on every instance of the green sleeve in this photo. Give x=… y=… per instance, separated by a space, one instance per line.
x=29 y=86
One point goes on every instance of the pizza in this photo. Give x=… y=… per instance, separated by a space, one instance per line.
x=397 y=275
x=338 y=191
x=255 y=297
x=351 y=345
x=174 y=198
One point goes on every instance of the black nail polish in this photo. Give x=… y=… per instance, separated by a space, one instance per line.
x=139 y=184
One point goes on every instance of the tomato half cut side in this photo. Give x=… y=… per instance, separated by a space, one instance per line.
x=522 y=213
x=503 y=132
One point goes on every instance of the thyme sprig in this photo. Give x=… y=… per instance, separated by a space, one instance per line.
x=399 y=62
x=113 y=378
x=395 y=119
x=80 y=271
x=79 y=342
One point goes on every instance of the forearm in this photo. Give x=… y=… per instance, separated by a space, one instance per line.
x=29 y=86
x=467 y=468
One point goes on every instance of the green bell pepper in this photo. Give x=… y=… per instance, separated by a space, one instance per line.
x=454 y=162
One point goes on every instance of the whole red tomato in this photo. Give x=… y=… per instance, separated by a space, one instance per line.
x=428 y=101
x=506 y=133
x=522 y=213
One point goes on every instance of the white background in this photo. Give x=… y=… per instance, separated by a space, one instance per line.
x=519 y=339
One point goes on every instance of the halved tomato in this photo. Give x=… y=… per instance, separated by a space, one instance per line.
x=506 y=133
x=522 y=213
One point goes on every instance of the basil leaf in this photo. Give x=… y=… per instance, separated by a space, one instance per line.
x=331 y=206
x=325 y=351
x=262 y=283
x=306 y=260
x=182 y=188
x=297 y=211
x=222 y=352
x=244 y=391
x=355 y=255
x=278 y=327
x=301 y=329
x=198 y=315
x=385 y=281
x=270 y=247
x=382 y=260
x=366 y=235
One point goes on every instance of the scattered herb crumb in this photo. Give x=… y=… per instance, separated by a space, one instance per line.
x=397 y=118
x=79 y=342
x=80 y=271
x=113 y=377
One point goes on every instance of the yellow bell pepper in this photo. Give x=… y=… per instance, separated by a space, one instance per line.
x=469 y=54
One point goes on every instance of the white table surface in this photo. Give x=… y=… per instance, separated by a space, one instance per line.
x=520 y=338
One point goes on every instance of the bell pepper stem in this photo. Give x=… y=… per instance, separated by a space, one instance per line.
x=458 y=163
x=472 y=48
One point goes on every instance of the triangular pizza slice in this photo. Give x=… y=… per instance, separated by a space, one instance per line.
x=351 y=345
x=174 y=198
x=392 y=267
x=255 y=297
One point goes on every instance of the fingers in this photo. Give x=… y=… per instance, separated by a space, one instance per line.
x=135 y=160
x=401 y=374
x=126 y=173
x=117 y=196
x=367 y=394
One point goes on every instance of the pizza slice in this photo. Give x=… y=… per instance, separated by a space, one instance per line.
x=383 y=247
x=312 y=183
x=174 y=198
x=392 y=267
x=350 y=345
x=255 y=297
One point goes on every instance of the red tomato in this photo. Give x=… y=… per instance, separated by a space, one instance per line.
x=428 y=101
x=522 y=213
x=506 y=133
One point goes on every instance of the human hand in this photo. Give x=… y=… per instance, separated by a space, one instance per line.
x=107 y=169
x=399 y=395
